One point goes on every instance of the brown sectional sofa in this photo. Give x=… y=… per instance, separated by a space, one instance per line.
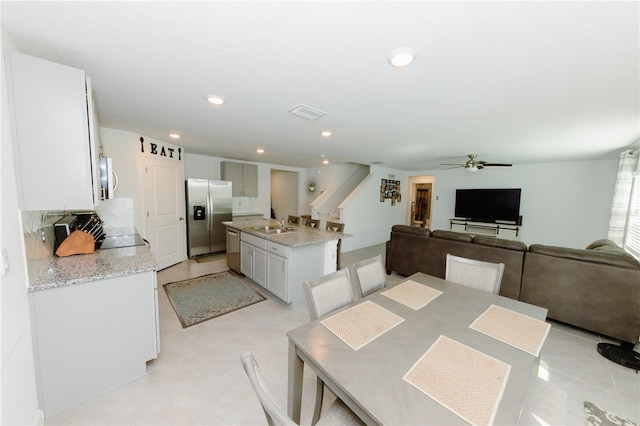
x=597 y=288
x=412 y=249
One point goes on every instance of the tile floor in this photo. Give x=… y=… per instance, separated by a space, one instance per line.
x=198 y=380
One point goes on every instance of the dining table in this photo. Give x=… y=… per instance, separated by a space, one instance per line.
x=394 y=377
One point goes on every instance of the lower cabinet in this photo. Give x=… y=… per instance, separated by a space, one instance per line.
x=246 y=259
x=260 y=266
x=93 y=336
x=253 y=258
x=277 y=273
x=283 y=269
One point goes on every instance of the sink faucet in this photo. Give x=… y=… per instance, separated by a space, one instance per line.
x=282 y=222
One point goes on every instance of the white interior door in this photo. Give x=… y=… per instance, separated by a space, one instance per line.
x=165 y=210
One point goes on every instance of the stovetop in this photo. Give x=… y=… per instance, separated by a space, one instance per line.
x=120 y=241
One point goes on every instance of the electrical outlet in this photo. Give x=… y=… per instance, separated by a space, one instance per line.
x=44 y=238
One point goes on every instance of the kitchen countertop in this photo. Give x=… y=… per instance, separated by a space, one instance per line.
x=102 y=264
x=300 y=236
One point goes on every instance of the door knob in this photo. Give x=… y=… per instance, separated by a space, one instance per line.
x=181 y=218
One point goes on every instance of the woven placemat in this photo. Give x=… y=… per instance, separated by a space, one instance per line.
x=513 y=328
x=412 y=294
x=465 y=381
x=362 y=323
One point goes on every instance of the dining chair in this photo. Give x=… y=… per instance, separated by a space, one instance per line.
x=473 y=273
x=367 y=276
x=336 y=227
x=312 y=223
x=337 y=413
x=324 y=295
x=293 y=219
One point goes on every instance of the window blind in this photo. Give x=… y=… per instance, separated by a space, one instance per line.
x=632 y=235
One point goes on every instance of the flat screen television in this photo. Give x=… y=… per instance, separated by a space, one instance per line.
x=488 y=205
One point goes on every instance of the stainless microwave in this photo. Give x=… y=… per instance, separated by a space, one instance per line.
x=108 y=178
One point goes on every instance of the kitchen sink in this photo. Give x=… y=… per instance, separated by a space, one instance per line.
x=272 y=229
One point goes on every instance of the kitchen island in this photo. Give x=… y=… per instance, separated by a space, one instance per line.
x=94 y=323
x=282 y=262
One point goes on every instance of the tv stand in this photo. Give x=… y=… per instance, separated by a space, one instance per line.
x=498 y=230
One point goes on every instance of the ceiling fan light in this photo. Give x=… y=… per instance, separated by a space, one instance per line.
x=472 y=169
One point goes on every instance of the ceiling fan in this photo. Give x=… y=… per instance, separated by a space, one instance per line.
x=473 y=165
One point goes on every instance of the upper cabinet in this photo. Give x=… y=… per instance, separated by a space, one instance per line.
x=244 y=178
x=52 y=126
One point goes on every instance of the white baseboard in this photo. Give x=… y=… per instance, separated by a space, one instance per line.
x=39 y=420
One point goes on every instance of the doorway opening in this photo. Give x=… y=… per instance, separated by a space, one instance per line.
x=421 y=190
x=284 y=193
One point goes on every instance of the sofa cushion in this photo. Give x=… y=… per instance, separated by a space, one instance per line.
x=606 y=255
x=452 y=235
x=600 y=243
x=500 y=243
x=413 y=230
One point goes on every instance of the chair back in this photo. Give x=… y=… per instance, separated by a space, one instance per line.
x=334 y=226
x=313 y=223
x=293 y=219
x=481 y=275
x=274 y=414
x=328 y=293
x=368 y=276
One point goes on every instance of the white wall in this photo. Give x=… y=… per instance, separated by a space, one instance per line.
x=368 y=219
x=19 y=403
x=123 y=146
x=564 y=204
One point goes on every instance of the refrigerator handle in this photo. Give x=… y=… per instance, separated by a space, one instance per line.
x=209 y=212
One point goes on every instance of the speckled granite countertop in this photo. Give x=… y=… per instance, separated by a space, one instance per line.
x=102 y=264
x=300 y=236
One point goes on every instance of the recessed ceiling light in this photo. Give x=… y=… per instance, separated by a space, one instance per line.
x=326 y=133
x=260 y=150
x=216 y=100
x=325 y=161
x=402 y=57
x=174 y=136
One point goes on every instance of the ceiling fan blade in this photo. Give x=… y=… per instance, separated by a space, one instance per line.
x=455 y=166
x=449 y=164
x=497 y=165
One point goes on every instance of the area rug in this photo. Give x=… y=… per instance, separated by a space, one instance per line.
x=596 y=416
x=199 y=299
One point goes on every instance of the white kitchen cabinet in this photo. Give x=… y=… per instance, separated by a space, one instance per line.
x=93 y=336
x=52 y=126
x=246 y=259
x=260 y=266
x=277 y=272
x=244 y=178
x=253 y=258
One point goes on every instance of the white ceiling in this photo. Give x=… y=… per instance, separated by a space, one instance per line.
x=516 y=82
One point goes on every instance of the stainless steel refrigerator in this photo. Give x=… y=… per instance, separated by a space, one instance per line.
x=209 y=203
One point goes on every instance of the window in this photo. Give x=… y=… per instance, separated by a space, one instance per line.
x=632 y=233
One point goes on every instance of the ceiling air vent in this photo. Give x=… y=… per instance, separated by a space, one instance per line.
x=307 y=112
